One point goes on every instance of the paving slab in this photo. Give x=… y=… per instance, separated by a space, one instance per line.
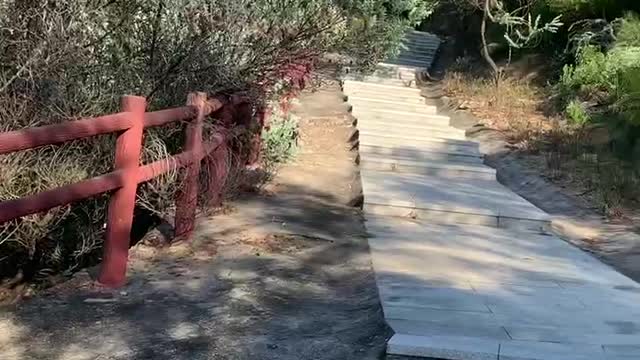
x=474 y=196
x=415 y=137
x=368 y=103
x=444 y=347
x=424 y=328
x=400 y=145
x=521 y=350
x=410 y=99
x=623 y=351
x=434 y=168
x=391 y=116
x=419 y=135
x=416 y=63
x=381 y=80
x=401 y=124
x=418 y=154
x=355 y=84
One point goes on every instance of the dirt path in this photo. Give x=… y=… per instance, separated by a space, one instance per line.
x=282 y=275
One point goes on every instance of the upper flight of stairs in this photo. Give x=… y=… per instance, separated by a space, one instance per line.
x=402 y=139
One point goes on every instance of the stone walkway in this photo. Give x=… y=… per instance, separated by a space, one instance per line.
x=467 y=269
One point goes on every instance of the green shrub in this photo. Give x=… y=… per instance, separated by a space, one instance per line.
x=628 y=31
x=628 y=99
x=577 y=113
x=576 y=10
x=279 y=141
x=592 y=72
x=600 y=77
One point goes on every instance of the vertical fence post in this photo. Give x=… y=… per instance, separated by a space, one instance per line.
x=187 y=199
x=121 y=205
x=258 y=123
x=217 y=164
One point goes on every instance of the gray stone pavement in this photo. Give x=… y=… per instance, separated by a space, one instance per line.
x=465 y=268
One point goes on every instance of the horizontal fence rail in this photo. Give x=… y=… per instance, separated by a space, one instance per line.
x=128 y=173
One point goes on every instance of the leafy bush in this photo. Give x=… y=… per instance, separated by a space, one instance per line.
x=628 y=102
x=279 y=141
x=593 y=72
x=576 y=112
x=629 y=31
x=64 y=59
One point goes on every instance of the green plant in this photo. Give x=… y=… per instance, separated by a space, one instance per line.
x=577 y=113
x=628 y=102
x=279 y=141
x=628 y=30
x=592 y=72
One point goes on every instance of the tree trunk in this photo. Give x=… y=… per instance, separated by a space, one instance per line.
x=483 y=35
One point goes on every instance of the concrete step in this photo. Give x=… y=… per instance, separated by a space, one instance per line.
x=399 y=116
x=435 y=129
x=414 y=43
x=382 y=94
x=411 y=39
x=410 y=62
x=349 y=85
x=415 y=34
x=419 y=65
x=414 y=137
x=408 y=70
x=420 y=328
x=413 y=153
x=360 y=103
x=418 y=52
x=423 y=48
x=397 y=71
x=411 y=134
x=389 y=72
x=471 y=347
x=409 y=99
x=456 y=147
x=431 y=168
x=418 y=139
x=373 y=79
x=443 y=347
x=438 y=199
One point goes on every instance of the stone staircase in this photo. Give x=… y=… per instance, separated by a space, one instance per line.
x=466 y=268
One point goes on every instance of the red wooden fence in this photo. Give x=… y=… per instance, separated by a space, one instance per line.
x=127 y=173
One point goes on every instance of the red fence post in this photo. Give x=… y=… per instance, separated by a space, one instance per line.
x=217 y=165
x=187 y=199
x=122 y=202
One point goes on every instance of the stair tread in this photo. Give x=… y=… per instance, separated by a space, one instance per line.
x=466 y=195
x=474 y=167
x=409 y=127
x=416 y=136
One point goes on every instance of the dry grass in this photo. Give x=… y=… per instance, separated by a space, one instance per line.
x=511 y=106
x=563 y=153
